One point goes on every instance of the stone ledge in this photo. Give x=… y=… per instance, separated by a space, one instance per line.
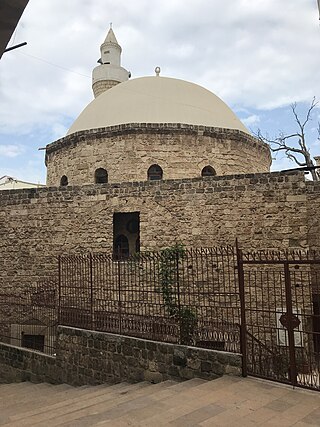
x=93 y=189
x=165 y=128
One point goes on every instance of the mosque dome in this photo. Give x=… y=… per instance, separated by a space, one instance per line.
x=151 y=128
x=157 y=100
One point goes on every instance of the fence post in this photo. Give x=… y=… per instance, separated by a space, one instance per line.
x=119 y=295
x=292 y=354
x=91 y=293
x=243 y=325
x=178 y=295
x=59 y=289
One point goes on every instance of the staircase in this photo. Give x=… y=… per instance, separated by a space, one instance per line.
x=226 y=401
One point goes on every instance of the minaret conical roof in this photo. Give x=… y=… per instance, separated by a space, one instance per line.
x=111 y=38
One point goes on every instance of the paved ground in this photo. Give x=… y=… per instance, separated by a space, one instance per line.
x=224 y=402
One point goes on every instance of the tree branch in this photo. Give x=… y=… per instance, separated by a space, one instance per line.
x=298 y=147
x=294 y=159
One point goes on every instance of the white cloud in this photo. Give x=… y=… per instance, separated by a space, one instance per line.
x=251 y=120
x=253 y=54
x=10 y=150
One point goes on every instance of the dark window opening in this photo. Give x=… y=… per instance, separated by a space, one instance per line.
x=64 y=181
x=138 y=245
x=155 y=173
x=208 y=171
x=100 y=176
x=34 y=342
x=121 y=247
x=126 y=234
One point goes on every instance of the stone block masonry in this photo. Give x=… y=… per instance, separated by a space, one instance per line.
x=20 y=364
x=313 y=203
x=270 y=211
x=127 y=151
x=88 y=357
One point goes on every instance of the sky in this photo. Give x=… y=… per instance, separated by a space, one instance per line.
x=258 y=56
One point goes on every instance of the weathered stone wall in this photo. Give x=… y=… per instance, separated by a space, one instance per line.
x=87 y=357
x=36 y=225
x=313 y=191
x=20 y=364
x=102 y=85
x=127 y=152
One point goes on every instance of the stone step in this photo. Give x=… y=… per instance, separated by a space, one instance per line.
x=35 y=398
x=226 y=401
x=88 y=412
x=50 y=396
x=29 y=391
x=189 y=400
x=91 y=416
x=189 y=396
x=73 y=403
x=164 y=406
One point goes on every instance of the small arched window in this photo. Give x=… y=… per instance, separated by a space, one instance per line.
x=100 y=176
x=208 y=171
x=155 y=173
x=121 y=247
x=64 y=181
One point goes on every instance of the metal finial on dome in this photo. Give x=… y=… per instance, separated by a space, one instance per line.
x=110 y=25
x=157 y=70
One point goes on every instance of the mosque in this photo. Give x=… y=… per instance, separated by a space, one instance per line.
x=150 y=162
x=149 y=129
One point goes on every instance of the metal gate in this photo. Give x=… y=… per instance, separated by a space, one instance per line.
x=280 y=316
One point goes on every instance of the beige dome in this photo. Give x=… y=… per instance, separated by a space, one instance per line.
x=157 y=100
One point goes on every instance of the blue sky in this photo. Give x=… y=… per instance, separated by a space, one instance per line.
x=257 y=56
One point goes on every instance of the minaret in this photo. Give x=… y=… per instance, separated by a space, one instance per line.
x=109 y=73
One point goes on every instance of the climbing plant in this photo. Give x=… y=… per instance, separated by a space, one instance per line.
x=170 y=259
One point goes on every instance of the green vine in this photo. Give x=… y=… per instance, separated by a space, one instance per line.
x=168 y=278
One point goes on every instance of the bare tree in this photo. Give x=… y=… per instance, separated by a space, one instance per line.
x=294 y=145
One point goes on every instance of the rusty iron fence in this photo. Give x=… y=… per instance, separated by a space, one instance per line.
x=280 y=322
x=262 y=304
x=29 y=319
x=179 y=296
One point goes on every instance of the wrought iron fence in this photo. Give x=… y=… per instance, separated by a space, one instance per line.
x=176 y=295
x=30 y=319
x=280 y=296
x=262 y=304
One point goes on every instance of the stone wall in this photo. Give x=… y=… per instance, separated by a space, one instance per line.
x=20 y=364
x=262 y=210
x=313 y=191
x=102 y=85
x=87 y=357
x=127 y=152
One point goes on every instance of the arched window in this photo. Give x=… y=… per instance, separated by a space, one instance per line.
x=100 y=176
x=208 y=171
x=121 y=247
x=64 y=181
x=155 y=173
